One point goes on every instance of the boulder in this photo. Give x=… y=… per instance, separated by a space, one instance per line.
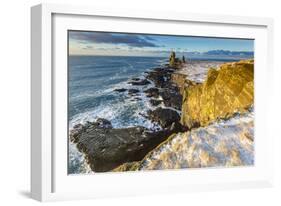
x=226 y=91
x=103 y=123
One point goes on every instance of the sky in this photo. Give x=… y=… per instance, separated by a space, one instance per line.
x=125 y=44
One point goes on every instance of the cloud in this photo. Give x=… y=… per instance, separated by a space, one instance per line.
x=132 y=40
x=87 y=47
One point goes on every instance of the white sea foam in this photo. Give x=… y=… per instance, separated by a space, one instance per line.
x=114 y=113
x=93 y=102
x=77 y=162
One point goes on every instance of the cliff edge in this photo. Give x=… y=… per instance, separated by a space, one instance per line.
x=226 y=91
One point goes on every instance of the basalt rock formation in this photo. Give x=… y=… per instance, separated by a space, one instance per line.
x=106 y=147
x=165 y=117
x=175 y=62
x=165 y=87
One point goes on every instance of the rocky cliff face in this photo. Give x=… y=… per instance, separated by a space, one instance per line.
x=226 y=91
x=179 y=79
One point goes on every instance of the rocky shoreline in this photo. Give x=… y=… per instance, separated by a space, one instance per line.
x=106 y=148
x=181 y=105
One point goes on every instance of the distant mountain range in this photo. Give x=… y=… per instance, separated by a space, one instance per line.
x=222 y=53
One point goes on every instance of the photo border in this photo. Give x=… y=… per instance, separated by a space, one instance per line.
x=42 y=86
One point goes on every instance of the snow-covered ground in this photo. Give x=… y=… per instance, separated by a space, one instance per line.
x=223 y=143
x=197 y=70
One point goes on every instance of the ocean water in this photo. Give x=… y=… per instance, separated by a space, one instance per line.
x=92 y=81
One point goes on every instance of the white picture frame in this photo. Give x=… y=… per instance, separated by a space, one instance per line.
x=48 y=178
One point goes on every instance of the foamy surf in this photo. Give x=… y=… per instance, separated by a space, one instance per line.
x=122 y=113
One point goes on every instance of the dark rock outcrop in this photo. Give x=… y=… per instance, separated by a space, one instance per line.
x=175 y=62
x=139 y=82
x=133 y=91
x=106 y=148
x=165 y=117
x=120 y=90
x=135 y=79
x=172 y=98
x=152 y=92
x=104 y=123
x=167 y=89
x=155 y=102
x=160 y=76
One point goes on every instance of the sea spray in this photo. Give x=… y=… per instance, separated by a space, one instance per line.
x=92 y=81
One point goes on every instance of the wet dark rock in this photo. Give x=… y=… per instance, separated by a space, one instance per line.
x=172 y=98
x=103 y=123
x=158 y=80
x=155 y=102
x=77 y=126
x=140 y=82
x=76 y=131
x=160 y=76
x=152 y=92
x=165 y=87
x=133 y=91
x=165 y=117
x=107 y=148
x=136 y=79
x=120 y=90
